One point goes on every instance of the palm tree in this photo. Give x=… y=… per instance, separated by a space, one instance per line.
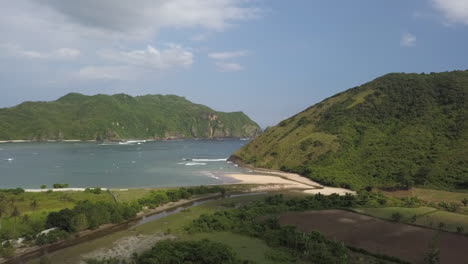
x=15 y=214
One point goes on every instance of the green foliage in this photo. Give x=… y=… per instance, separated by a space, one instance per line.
x=96 y=190
x=87 y=214
x=397 y=217
x=51 y=237
x=396 y=132
x=43 y=186
x=13 y=191
x=60 y=185
x=7 y=250
x=202 y=252
x=159 y=197
x=120 y=116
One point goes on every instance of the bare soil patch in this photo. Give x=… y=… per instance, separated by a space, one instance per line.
x=406 y=242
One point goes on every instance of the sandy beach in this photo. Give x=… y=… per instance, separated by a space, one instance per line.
x=273 y=180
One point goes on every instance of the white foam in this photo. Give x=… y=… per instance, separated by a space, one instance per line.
x=211 y=175
x=10 y=159
x=208 y=160
x=195 y=164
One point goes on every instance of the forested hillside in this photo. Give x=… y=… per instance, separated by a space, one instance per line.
x=105 y=117
x=396 y=131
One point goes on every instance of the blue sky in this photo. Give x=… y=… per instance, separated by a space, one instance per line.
x=268 y=58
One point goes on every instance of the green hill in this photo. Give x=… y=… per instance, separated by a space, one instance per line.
x=120 y=116
x=394 y=132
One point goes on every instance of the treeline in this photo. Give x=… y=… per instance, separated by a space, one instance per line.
x=159 y=197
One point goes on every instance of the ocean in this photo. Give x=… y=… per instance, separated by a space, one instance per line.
x=113 y=165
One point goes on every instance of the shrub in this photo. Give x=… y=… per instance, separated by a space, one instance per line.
x=60 y=185
x=396 y=217
x=51 y=237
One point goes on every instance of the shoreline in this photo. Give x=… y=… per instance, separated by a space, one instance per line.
x=283 y=180
x=116 y=141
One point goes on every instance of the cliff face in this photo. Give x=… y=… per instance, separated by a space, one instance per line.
x=117 y=117
x=398 y=131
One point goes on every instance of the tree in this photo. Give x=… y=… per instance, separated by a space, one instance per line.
x=43 y=186
x=34 y=204
x=15 y=214
x=79 y=222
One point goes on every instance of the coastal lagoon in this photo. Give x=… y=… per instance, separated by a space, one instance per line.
x=114 y=165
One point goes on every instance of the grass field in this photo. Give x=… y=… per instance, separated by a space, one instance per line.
x=424 y=216
x=32 y=219
x=430 y=195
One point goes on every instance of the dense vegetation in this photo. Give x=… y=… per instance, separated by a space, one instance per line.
x=104 y=117
x=398 y=131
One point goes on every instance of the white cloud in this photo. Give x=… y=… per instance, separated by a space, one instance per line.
x=227 y=55
x=106 y=73
x=17 y=51
x=228 y=67
x=174 y=56
x=199 y=37
x=408 y=40
x=67 y=53
x=148 y=16
x=455 y=11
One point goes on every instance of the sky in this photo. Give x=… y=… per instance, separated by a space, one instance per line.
x=268 y=58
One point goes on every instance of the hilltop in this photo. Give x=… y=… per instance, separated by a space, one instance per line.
x=120 y=116
x=395 y=132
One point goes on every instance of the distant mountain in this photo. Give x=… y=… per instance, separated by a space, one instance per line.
x=120 y=116
x=397 y=131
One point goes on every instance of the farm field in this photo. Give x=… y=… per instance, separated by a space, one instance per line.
x=406 y=242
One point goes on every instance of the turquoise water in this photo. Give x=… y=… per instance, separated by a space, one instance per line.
x=149 y=164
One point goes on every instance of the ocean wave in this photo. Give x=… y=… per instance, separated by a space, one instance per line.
x=10 y=159
x=205 y=160
x=209 y=174
x=195 y=164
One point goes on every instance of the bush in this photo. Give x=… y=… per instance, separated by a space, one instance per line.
x=96 y=190
x=60 y=185
x=396 y=217
x=7 y=250
x=13 y=191
x=51 y=237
